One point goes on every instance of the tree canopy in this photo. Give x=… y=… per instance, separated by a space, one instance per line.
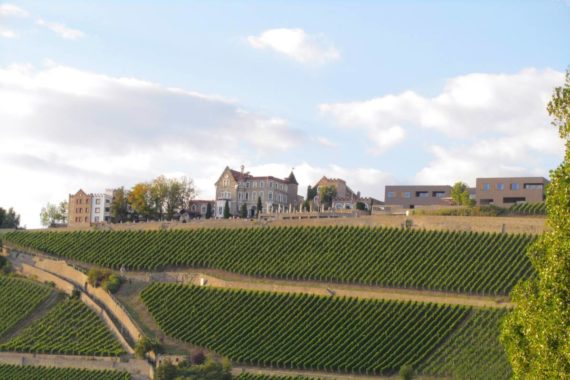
x=536 y=335
x=9 y=218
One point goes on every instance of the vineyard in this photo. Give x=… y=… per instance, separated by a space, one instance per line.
x=467 y=262
x=303 y=331
x=17 y=372
x=528 y=209
x=473 y=351
x=18 y=299
x=251 y=376
x=69 y=328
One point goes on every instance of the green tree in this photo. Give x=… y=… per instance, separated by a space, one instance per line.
x=145 y=345
x=536 y=335
x=327 y=194
x=119 y=205
x=52 y=214
x=227 y=210
x=209 y=211
x=140 y=200
x=311 y=193
x=460 y=195
x=159 y=189
x=166 y=371
x=243 y=211
x=259 y=206
x=406 y=372
x=9 y=219
x=360 y=206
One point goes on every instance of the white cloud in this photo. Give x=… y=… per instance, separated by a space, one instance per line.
x=64 y=129
x=297 y=45
x=10 y=10
x=61 y=30
x=325 y=142
x=7 y=33
x=497 y=123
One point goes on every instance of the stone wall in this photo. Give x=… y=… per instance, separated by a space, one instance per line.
x=140 y=369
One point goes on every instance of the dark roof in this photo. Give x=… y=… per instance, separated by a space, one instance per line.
x=292 y=179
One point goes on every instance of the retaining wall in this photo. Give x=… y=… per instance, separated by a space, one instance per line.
x=137 y=367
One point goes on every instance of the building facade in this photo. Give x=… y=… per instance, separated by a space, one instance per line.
x=79 y=209
x=346 y=198
x=101 y=207
x=506 y=191
x=198 y=208
x=239 y=188
x=411 y=196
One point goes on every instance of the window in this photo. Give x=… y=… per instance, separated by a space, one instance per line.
x=254 y=184
x=500 y=186
x=515 y=186
x=96 y=219
x=439 y=194
x=422 y=194
x=220 y=211
x=390 y=194
x=261 y=195
x=261 y=184
x=107 y=209
x=407 y=194
x=97 y=201
x=254 y=196
x=86 y=219
x=80 y=210
x=107 y=201
x=246 y=196
x=533 y=186
x=486 y=187
x=203 y=209
x=193 y=207
x=247 y=185
x=97 y=209
x=270 y=196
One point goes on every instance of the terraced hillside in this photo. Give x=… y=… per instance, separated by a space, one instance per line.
x=317 y=333
x=69 y=328
x=250 y=376
x=16 y=372
x=482 y=263
x=18 y=299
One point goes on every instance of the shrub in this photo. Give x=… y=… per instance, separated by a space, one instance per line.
x=406 y=372
x=166 y=371
x=145 y=345
x=197 y=357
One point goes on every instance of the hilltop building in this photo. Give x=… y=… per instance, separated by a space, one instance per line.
x=411 y=196
x=505 y=191
x=85 y=209
x=346 y=198
x=240 y=187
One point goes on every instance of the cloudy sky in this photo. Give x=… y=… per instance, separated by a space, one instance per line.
x=95 y=95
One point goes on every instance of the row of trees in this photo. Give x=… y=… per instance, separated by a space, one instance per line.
x=9 y=218
x=53 y=214
x=159 y=199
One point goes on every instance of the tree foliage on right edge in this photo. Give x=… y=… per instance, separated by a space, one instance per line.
x=536 y=335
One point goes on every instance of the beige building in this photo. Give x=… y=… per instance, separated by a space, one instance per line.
x=346 y=198
x=240 y=187
x=506 y=191
x=79 y=209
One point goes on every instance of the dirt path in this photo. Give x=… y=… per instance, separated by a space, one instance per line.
x=38 y=313
x=314 y=374
x=221 y=279
x=128 y=295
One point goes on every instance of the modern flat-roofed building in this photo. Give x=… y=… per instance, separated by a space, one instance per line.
x=506 y=191
x=410 y=196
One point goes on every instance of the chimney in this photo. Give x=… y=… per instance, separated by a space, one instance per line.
x=242 y=168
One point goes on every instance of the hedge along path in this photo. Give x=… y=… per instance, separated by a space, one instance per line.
x=450 y=261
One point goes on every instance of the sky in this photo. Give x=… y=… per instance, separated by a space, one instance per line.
x=97 y=95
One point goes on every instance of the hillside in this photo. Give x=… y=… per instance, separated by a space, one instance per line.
x=466 y=262
x=332 y=334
